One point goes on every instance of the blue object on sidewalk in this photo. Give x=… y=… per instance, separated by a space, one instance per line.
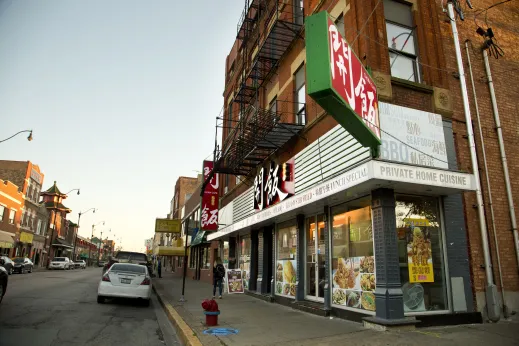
x=220 y=331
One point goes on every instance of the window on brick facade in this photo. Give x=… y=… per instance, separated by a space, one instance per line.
x=339 y=22
x=273 y=108
x=38 y=228
x=401 y=40
x=12 y=214
x=229 y=118
x=2 y=212
x=300 y=96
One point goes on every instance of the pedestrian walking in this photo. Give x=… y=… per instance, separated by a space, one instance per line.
x=159 y=268
x=218 y=275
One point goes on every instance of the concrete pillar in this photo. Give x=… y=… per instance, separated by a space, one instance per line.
x=253 y=260
x=388 y=293
x=300 y=255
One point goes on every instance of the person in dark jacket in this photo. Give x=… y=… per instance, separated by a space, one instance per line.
x=218 y=275
x=159 y=268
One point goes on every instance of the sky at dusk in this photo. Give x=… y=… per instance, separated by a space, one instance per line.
x=121 y=95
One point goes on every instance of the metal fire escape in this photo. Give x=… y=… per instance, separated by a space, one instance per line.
x=266 y=30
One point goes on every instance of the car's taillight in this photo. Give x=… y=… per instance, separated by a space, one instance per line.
x=146 y=281
x=106 y=278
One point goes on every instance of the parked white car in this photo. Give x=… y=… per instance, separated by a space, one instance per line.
x=61 y=263
x=80 y=264
x=125 y=280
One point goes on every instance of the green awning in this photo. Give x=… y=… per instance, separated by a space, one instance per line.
x=200 y=238
x=83 y=256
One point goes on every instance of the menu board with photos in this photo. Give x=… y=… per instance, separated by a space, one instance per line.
x=234 y=281
x=419 y=251
x=354 y=282
x=286 y=278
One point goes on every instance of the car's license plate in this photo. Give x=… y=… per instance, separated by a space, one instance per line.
x=126 y=281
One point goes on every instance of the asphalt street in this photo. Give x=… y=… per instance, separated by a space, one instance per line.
x=54 y=308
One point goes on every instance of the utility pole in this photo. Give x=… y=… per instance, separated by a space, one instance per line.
x=75 y=237
x=493 y=309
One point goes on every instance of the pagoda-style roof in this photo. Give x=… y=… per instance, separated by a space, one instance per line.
x=54 y=205
x=53 y=191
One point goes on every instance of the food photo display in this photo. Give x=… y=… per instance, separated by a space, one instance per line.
x=286 y=278
x=354 y=283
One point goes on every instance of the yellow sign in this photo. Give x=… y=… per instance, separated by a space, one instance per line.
x=171 y=251
x=417 y=222
x=26 y=238
x=419 y=255
x=6 y=245
x=167 y=226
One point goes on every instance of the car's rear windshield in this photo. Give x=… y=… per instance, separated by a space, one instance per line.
x=128 y=268
x=18 y=260
x=59 y=259
x=131 y=256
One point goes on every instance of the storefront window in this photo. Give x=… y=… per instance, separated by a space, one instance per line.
x=353 y=261
x=420 y=254
x=226 y=254
x=192 y=257
x=206 y=261
x=286 y=263
x=245 y=260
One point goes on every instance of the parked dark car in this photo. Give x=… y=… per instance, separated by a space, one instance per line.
x=3 y=280
x=129 y=257
x=22 y=265
x=7 y=264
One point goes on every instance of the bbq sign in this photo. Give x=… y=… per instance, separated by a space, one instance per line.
x=209 y=216
x=338 y=81
x=273 y=184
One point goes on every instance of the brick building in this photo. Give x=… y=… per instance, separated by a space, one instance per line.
x=308 y=203
x=33 y=219
x=11 y=202
x=184 y=188
x=502 y=19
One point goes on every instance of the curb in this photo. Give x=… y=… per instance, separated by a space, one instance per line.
x=185 y=332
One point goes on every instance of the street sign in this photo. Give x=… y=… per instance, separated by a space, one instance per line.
x=167 y=226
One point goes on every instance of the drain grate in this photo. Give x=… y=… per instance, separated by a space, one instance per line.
x=220 y=331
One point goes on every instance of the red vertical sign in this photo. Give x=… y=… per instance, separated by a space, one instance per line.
x=209 y=217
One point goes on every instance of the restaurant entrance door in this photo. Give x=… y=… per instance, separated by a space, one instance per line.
x=315 y=256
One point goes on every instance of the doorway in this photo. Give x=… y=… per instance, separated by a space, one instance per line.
x=315 y=258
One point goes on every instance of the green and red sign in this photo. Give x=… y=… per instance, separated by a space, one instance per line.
x=338 y=82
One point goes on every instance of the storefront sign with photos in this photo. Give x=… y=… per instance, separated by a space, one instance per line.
x=234 y=281
x=412 y=136
x=168 y=226
x=338 y=81
x=209 y=216
x=273 y=184
x=419 y=252
x=354 y=282
x=286 y=278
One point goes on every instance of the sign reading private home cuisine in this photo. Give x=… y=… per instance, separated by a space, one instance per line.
x=412 y=136
x=209 y=217
x=274 y=184
x=338 y=81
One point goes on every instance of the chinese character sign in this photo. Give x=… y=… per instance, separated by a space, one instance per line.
x=338 y=81
x=209 y=216
x=273 y=184
x=419 y=252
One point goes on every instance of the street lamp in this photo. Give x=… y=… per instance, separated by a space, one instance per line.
x=29 y=138
x=93 y=227
x=55 y=215
x=78 y=220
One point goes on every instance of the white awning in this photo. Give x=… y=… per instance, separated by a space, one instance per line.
x=368 y=176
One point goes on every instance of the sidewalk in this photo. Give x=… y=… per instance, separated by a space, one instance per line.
x=264 y=323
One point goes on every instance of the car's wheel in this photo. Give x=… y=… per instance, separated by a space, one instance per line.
x=30 y=271
x=10 y=272
x=100 y=299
